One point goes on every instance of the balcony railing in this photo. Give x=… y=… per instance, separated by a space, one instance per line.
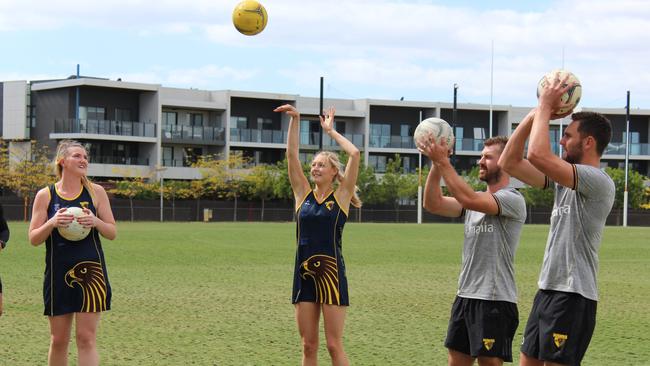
x=394 y=142
x=119 y=160
x=355 y=138
x=202 y=133
x=176 y=162
x=105 y=127
x=256 y=135
x=618 y=148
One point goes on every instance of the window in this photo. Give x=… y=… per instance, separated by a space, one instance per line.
x=238 y=122
x=479 y=133
x=406 y=164
x=309 y=132
x=339 y=126
x=169 y=118
x=264 y=123
x=379 y=135
x=306 y=157
x=404 y=130
x=31 y=116
x=378 y=162
x=635 y=147
x=122 y=114
x=92 y=113
x=196 y=119
x=377 y=129
x=167 y=156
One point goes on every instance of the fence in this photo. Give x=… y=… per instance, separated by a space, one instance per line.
x=251 y=211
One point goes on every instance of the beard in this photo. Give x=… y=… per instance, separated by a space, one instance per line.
x=573 y=156
x=490 y=176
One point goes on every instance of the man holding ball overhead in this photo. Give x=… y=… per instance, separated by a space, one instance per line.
x=484 y=316
x=563 y=316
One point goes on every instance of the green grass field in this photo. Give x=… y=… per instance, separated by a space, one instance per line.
x=219 y=294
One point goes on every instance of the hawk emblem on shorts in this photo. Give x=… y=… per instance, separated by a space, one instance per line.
x=488 y=343
x=559 y=339
x=329 y=205
x=90 y=277
x=323 y=269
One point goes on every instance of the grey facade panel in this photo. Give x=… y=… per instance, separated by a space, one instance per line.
x=50 y=105
x=468 y=119
x=111 y=99
x=1 y=102
x=253 y=109
x=395 y=117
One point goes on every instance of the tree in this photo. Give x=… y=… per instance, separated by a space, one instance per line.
x=646 y=204
x=261 y=181
x=367 y=183
x=473 y=180
x=389 y=183
x=407 y=188
x=173 y=189
x=130 y=188
x=224 y=177
x=197 y=189
x=282 y=188
x=25 y=172
x=635 y=187
x=538 y=197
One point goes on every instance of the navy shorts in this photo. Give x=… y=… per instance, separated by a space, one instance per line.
x=482 y=328
x=559 y=327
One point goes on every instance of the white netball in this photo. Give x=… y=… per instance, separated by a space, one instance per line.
x=74 y=231
x=571 y=97
x=436 y=127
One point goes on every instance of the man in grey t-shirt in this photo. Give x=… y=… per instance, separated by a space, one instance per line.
x=484 y=316
x=563 y=316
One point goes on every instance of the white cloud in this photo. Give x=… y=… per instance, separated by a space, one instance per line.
x=386 y=44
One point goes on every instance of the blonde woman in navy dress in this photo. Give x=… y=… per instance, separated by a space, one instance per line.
x=320 y=284
x=76 y=286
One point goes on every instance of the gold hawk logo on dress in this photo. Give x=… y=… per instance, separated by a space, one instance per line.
x=329 y=205
x=488 y=343
x=559 y=339
x=90 y=277
x=83 y=204
x=324 y=271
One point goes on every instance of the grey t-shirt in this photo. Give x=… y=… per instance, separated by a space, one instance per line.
x=487 y=270
x=577 y=222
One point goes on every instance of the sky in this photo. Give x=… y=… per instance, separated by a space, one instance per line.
x=382 y=49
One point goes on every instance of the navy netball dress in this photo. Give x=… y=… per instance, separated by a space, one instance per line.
x=75 y=273
x=320 y=270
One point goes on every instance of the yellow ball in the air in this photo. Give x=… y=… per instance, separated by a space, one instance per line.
x=249 y=17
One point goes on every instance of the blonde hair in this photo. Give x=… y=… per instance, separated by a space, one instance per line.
x=61 y=152
x=333 y=159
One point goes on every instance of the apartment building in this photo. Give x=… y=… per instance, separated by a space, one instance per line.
x=148 y=130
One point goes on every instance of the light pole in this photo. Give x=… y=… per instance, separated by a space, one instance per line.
x=420 y=181
x=159 y=170
x=627 y=156
x=320 y=113
x=453 y=126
